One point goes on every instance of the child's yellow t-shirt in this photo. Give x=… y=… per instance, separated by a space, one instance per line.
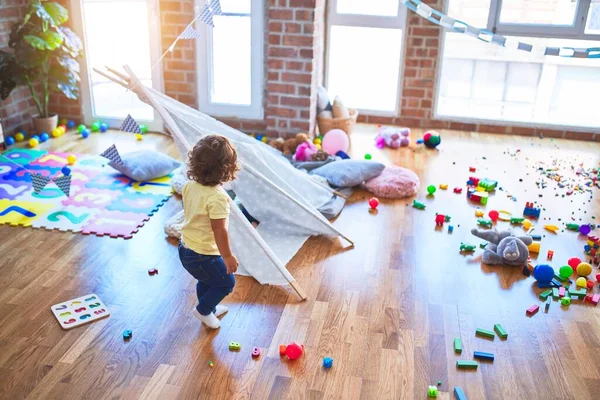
x=200 y=205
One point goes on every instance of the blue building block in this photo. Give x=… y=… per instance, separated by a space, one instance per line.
x=450 y=228
x=127 y=334
x=531 y=211
x=459 y=393
x=327 y=362
x=483 y=356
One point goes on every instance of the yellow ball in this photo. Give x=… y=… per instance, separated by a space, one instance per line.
x=264 y=139
x=55 y=133
x=71 y=159
x=318 y=146
x=61 y=129
x=33 y=142
x=581 y=282
x=584 y=269
x=317 y=141
x=139 y=136
x=19 y=137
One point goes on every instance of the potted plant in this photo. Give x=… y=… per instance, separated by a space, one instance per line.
x=42 y=55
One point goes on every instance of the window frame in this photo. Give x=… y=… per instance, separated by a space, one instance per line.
x=204 y=66
x=574 y=31
x=399 y=21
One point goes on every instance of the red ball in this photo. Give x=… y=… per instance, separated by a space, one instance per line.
x=426 y=137
x=373 y=203
x=494 y=215
x=293 y=351
x=574 y=262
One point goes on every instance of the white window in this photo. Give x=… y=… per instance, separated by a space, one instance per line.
x=230 y=61
x=481 y=82
x=364 y=53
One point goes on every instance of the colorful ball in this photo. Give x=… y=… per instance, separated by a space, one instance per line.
x=95 y=126
x=543 y=273
x=565 y=272
x=33 y=142
x=9 y=141
x=85 y=133
x=71 y=159
x=494 y=215
x=431 y=189
x=103 y=127
x=335 y=140
x=264 y=139
x=19 y=136
x=317 y=141
x=581 y=282
x=574 y=262
x=62 y=127
x=81 y=128
x=585 y=229
x=36 y=137
x=144 y=129
x=294 y=351
x=71 y=124
x=55 y=133
x=139 y=136
x=66 y=171
x=368 y=156
x=432 y=139
x=584 y=269
x=373 y=203
x=44 y=137
x=63 y=121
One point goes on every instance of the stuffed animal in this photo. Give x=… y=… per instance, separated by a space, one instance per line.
x=277 y=144
x=504 y=247
x=305 y=151
x=392 y=137
x=320 y=156
x=290 y=145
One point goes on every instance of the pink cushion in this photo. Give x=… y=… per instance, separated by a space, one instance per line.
x=394 y=183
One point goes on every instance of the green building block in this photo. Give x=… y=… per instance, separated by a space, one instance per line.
x=432 y=391
x=500 y=331
x=486 y=333
x=457 y=345
x=555 y=293
x=578 y=292
x=234 y=346
x=559 y=278
x=467 y=364
x=544 y=295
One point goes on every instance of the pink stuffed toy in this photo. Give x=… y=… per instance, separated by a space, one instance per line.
x=305 y=151
x=392 y=137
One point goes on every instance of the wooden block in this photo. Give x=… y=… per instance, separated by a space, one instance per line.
x=501 y=331
x=561 y=292
x=559 y=278
x=555 y=293
x=485 y=333
x=595 y=299
x=533 y=309
x=544 y=295
x=457 y=345
x=483 y=356
x=459 y=393
x=282 y=348
x=467 y=364
x=578 y=292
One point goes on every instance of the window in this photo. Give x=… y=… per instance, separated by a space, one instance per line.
x=485 y=82
x=358 y=71
x=230 y=61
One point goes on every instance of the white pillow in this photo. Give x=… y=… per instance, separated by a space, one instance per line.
x=145 y=165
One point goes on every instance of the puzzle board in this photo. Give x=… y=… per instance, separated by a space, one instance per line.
x=80 y=311
x=102 y=201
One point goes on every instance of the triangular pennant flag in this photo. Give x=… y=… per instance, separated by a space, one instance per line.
x=215 y=6
x=206 y=16
x=189 y=33
x=64 y=184
x=129 y=125
x=39 y=182
x=113 y=155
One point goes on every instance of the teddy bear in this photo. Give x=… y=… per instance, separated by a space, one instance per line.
x=277 y=144
x=290 y=145
x=320 y=156
x=392 y=137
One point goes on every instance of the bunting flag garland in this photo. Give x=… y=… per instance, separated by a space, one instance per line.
x=113 y=155
x=189 y=33
x=64 y=184
x=436 y=17
x=215 y=6
x=39 y=182
x=129 y=125
x=206 y=15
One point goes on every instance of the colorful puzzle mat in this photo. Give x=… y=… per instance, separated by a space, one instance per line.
x=102 y=201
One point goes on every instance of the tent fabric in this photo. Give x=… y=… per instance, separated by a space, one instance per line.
x=284 y=199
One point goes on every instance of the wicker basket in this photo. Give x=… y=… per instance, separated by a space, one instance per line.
x=345 y=124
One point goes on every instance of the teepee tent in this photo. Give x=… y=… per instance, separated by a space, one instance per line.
x=284 y=199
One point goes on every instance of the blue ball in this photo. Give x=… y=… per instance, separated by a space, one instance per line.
x=103 y=127
x=66 y=171
x=259 y=137
x=327 y=362
x=71 y=124
x=9 y=141
x=543 y=273
x=44 y=137
x=36 y=137
x=85 y=133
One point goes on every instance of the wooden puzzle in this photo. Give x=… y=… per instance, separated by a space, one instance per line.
x=80 y=311
x=102 y=201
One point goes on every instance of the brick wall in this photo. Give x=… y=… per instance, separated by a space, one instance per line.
x=16 y=111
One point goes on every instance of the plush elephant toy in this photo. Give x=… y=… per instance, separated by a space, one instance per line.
x=504 y=247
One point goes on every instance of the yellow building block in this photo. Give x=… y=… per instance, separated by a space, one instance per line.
x=534 y=247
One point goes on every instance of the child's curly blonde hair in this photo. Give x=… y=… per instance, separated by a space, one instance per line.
x=213 y=161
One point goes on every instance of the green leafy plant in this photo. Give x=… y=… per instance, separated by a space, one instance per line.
x=42 y=54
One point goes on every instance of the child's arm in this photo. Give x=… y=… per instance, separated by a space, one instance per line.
x=219 y=227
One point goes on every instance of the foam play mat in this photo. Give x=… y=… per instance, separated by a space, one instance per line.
x=102 y=201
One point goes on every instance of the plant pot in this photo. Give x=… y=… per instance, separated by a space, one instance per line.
x=45 y=124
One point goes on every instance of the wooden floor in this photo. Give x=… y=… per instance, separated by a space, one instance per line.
x=386 y=311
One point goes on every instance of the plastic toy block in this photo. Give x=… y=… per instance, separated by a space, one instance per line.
x=459 y=393
x=488 y=184
x=432 y=391
x=578 y=292
x=327 y=362
x=472 y=169
x=527 y=224
x=547 y=306
x=595 y=299
x=152 y=271
x=561 y=292
x=550 y=254
x=536 y=238
x=473 y=181
x=534 y=247
x=544 y=295
x=477 y=197
x=211 y=364
x=565 y=301
x=555 y=293
x=500 y=331
x=517 y=221
x=485 y=222
x=559 y=278
x=457 y=345
x=467 y=364
x=531 y=211
x=483 y=356
x=450 y=228
x=282 y=348
x=444 y=186
x=590 y=284
x=457 y=190
x=234 y=346
x=551 y=228
x=418 y=205
x=127 y=334
x=485 y=333
x=573 y=227
x=478 y=213
x=439 y=383
x=533 y=309
x=256 y=352
x=467 y=247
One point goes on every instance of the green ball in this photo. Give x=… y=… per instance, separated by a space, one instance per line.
x=144 y=128
x=96 y=126
x=431 y=189
x=565 y=271
x=367 y=156
x=81 y=127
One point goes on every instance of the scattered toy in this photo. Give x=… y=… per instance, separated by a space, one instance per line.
x=256 y=352
x=152 y=271
x=533 y=310
x=500 y=331
x=418 y=205
x=327 y=362
x=234 y=346
x=483 y=356
x=373 y=203
x=432 y=391
x=457 y=190
x=127 y=334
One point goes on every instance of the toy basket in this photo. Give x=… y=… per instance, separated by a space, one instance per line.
x=345 y=124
